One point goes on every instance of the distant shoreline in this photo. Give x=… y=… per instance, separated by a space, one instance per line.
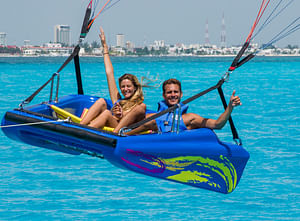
x=209 y=56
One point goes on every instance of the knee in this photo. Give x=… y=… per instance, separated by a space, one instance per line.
x=106 y=113
x=101 y=119
x=101 y=103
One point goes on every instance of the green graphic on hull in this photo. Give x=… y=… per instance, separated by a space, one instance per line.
x=221 y=167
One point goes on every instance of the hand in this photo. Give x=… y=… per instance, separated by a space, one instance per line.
x=235 y=100
x=102 y=37
x=117 y=111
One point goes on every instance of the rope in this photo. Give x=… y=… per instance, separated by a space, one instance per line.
x=30 y=98
x=232 y=127
x=262 y=9
x=36 y=123
x=270 y=18
x=284 y=33
x=74 y=53
x=291 y=28
x=92 y=21
x=94 y=7
x=236 y=61
x=218 y=86
x=110 y=5
x=90 y=153
x=172 y=108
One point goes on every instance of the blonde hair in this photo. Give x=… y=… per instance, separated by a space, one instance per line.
x=136 y=98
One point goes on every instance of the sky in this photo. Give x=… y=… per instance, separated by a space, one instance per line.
x=143 y=21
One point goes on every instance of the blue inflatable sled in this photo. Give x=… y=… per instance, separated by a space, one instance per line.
x=194 y=157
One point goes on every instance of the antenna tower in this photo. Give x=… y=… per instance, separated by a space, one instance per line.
x=223 y=33
x=206 y=34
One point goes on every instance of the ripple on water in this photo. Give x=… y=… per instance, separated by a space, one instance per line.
x=39 y=184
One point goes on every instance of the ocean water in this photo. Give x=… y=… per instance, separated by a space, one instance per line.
x=40 y=184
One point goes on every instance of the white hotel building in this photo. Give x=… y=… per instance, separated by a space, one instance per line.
x=62 y=34
x=120 y=40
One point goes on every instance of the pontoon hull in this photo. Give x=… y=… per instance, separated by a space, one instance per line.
x=196 y=157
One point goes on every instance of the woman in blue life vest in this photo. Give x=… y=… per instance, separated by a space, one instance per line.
x=172 y=95
x=125 y=111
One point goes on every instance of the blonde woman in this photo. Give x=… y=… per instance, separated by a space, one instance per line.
x=128 y=110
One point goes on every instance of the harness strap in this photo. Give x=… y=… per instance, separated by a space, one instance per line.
x=85 y=29
x=78 y=74
x=245 y=59
x=30 y=98
x=172 y=108
x=232 y=127
x=219 y=84
x=74 y=53
x=238 y=56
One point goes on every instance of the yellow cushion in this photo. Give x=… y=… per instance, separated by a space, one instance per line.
x=62 y=114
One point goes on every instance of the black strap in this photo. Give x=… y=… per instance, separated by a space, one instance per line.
x=245 y=59
x=84 y=31
x=29 y=99
x=172 y=108
x=74 y=53
x=219 y=84
x=238 y=56
x=232 y=127
x=237 y=62
x=86 y=21
x=78 y=74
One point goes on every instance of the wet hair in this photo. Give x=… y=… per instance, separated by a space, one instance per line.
x=171 y=81
x=137 y=97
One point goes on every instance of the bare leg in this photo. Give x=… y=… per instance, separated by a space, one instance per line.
x=104 y=119
x=97 y=108
x=136 y=114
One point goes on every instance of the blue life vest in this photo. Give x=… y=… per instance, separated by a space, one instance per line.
x=164 y=122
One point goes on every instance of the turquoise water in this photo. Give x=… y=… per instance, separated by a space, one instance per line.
x=40 y=184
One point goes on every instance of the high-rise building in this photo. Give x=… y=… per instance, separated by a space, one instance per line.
x=62 y=34
x=2 y=39
x=120 y=40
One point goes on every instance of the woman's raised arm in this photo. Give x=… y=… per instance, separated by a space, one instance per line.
x=112 y=86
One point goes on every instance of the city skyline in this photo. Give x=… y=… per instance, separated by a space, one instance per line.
x=143 y=22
